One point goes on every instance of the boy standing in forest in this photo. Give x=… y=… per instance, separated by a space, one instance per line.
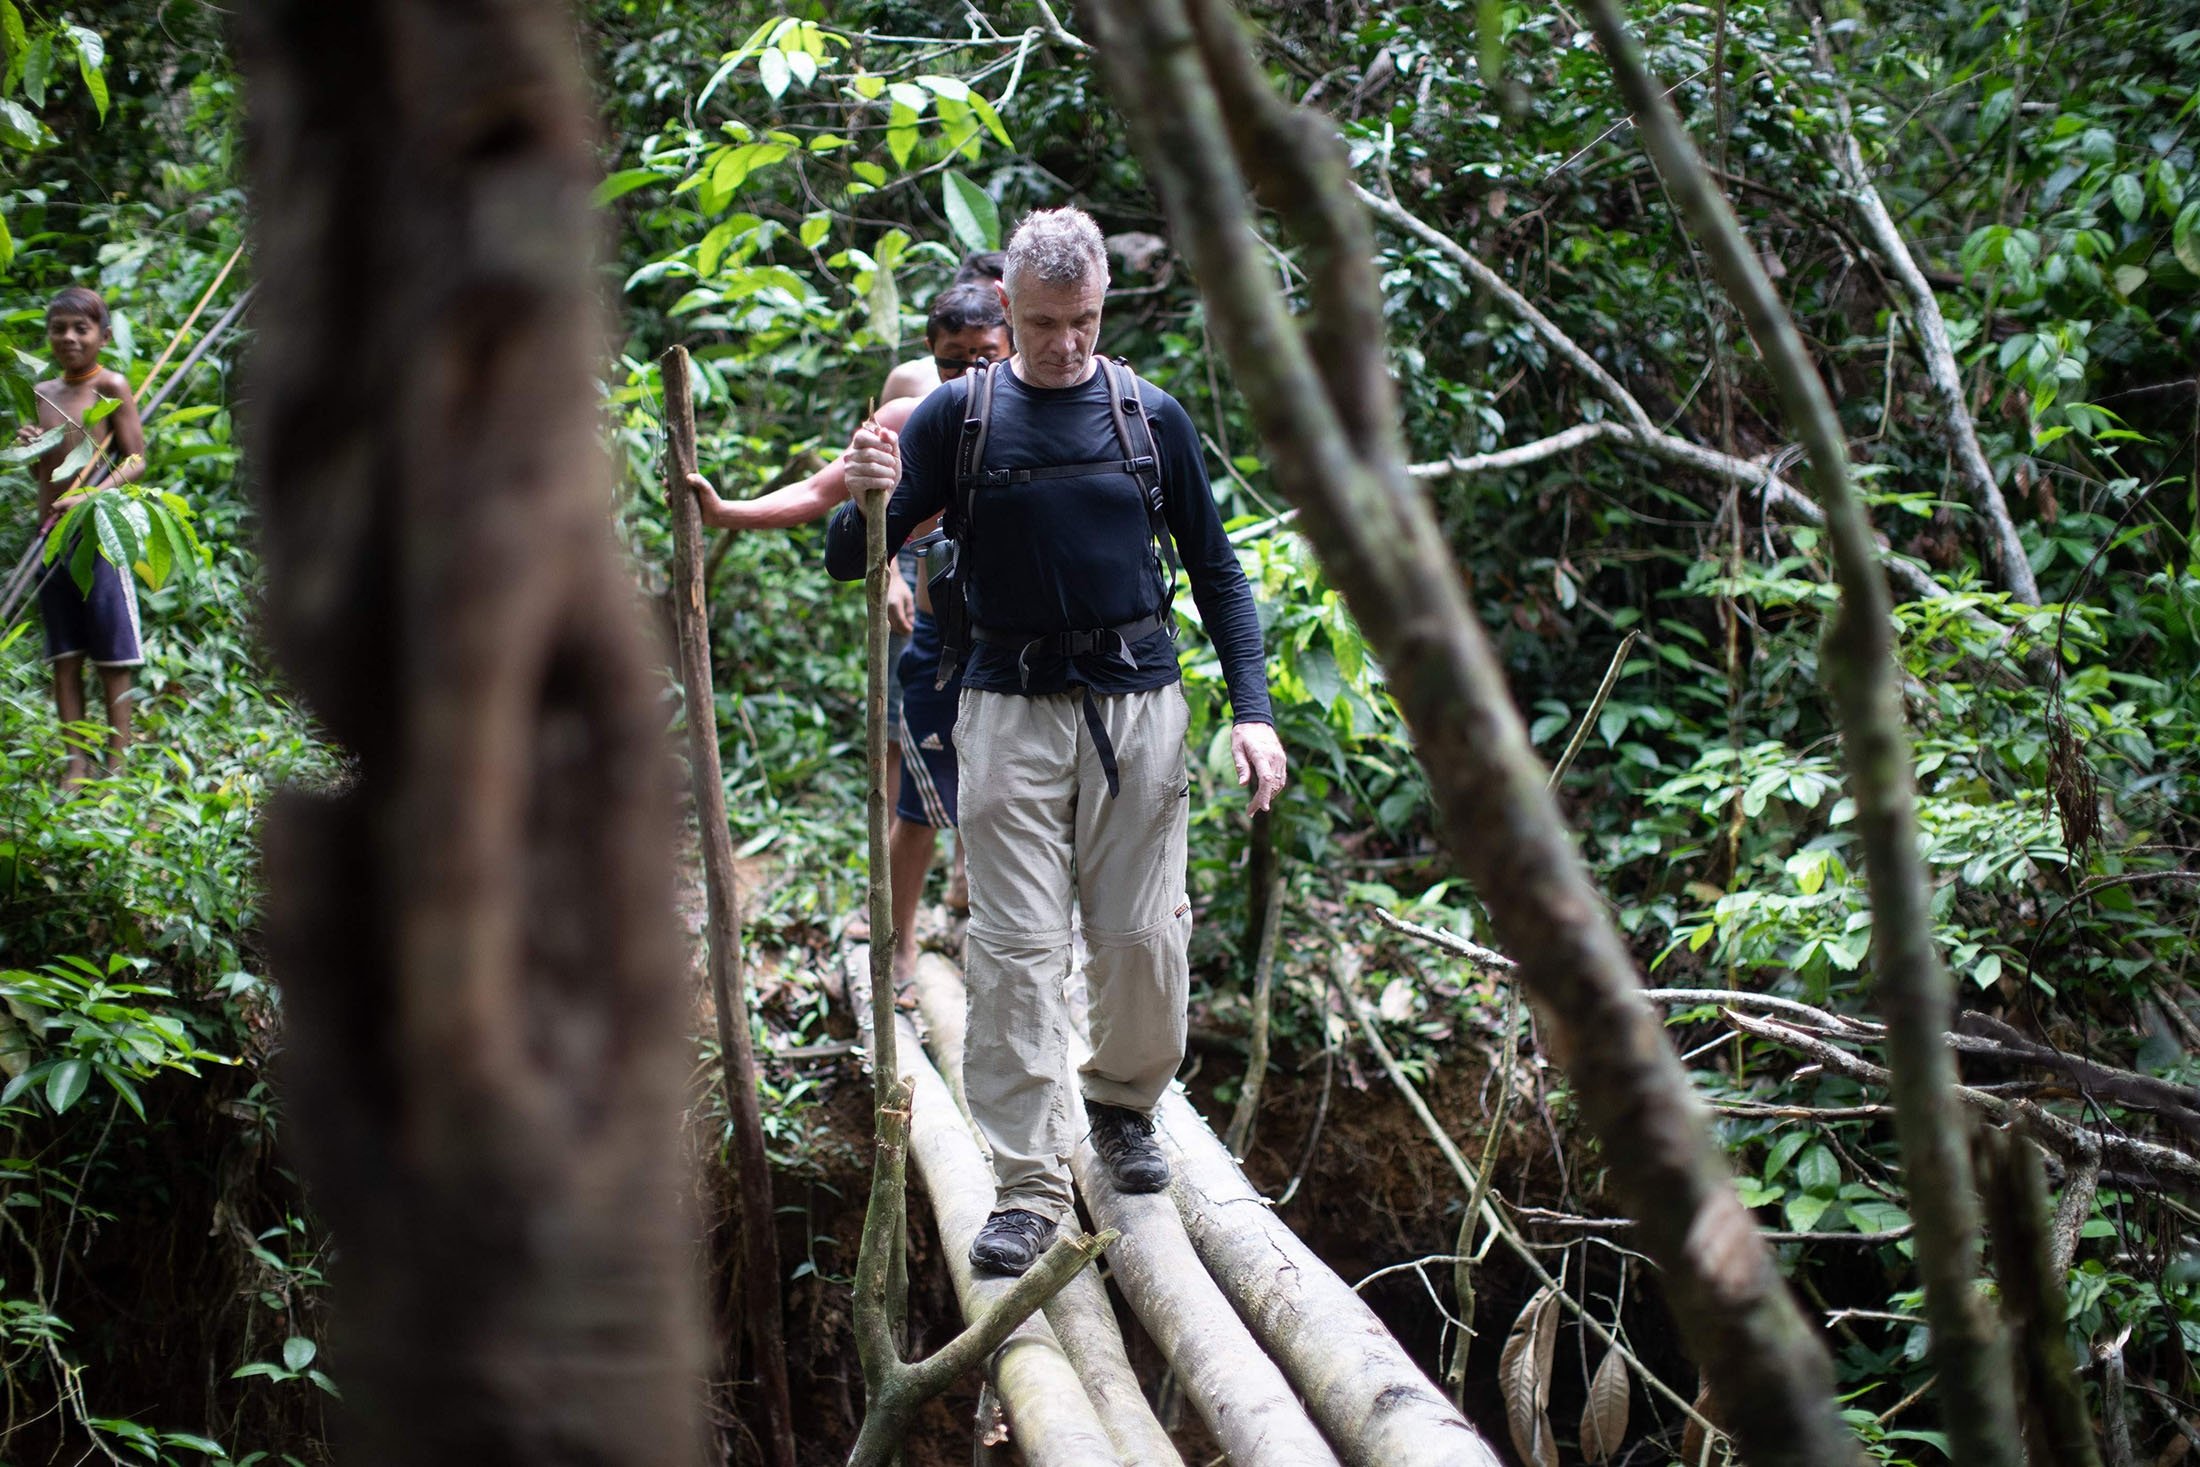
x=101 y=623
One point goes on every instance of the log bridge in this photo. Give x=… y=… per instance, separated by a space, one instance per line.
x=1284 y=1362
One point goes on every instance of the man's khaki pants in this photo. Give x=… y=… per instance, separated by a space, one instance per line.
x=1040 y=827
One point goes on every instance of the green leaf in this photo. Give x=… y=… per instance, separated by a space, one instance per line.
x=23 y=453
x=195 y=1443
x=117 y=536
x=1818 y=1173
x=2184 y=237
x=1783 y=1151
x=65 y=1084
x=971 y=213
x=122 y=1087
x=771 y=67
x=95 y=82
x=7 y=244
x=2129 y=278
x=813 y=230
x=37 y=67
x=1804 y=1211
x=79 y=456
x=990 y=118
x=907 y=95
x=901 y=141
x=2128 y=194
x=18 y=129
x=867 y=87
x=625 y=181
x=11 y=28
x=298 y=1352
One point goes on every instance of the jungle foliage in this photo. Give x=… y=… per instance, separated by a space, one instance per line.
x=787 y=183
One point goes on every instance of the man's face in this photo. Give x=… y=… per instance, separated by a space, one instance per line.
x=1056 y=328
x=957 y=352
x=73 y=340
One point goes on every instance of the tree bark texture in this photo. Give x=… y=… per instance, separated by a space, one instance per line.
x=758 y=1245
x=474 y=928
x=1914 y=992
x=1333 y=434
x=1375 y=1405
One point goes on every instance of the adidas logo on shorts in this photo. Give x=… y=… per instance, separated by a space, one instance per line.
x=931 y=741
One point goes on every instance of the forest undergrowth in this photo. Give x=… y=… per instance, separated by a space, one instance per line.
x=784 y=188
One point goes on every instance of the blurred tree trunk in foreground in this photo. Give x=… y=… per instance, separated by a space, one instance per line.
x=474 y=934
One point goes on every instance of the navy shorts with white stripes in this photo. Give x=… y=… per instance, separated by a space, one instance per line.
x=927 y=732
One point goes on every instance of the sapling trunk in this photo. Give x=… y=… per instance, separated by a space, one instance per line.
x=755 y=1218
x=1914 y=991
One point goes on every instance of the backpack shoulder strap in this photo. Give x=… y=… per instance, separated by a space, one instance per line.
x=1134 y=430
x=970 y=447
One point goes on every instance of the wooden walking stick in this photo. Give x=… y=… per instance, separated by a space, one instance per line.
x=759 y=1247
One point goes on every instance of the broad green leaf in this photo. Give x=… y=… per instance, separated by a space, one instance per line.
x=195 y=1443
x=2128 y=194
x=95 y=81
x=1988 y=971
x=88 y=44
x=65 y=1084
x=2129 y=278
x=884 y=300
x=11 y=28
x=18 y=128
x=625 y=181
x=37 y=67
x=911 y=96
x=870 y=173
x=79 y=456
x=813 y=230
x=1783 y=1151
x=803 y=65
x=867 y=86
x=1818 y=1173
x=298 y=1352
x=23 y=453
x=945 y=86
x=117 y=536
x=1804 y=1211
x=2184 y=237
x=122 y=1086
x=901 y=142
x=971 y=213
x=771 y=67
x=892 y=246
x=990 y=118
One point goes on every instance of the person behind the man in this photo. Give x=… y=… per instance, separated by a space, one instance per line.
x=918 y=376
x=1072 y=725
x=965 y=326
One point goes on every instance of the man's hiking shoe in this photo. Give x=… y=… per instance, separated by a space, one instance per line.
x=1011 y=1241
x=1126 y=1147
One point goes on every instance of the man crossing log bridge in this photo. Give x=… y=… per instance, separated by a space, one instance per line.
x=1070 y=488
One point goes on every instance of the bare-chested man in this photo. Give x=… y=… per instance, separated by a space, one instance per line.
x=99 y=624
x=965 y=326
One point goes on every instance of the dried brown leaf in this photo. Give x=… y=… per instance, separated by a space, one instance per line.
x=1692 y=1440
x=1524 y=1371
x=1604 y=1415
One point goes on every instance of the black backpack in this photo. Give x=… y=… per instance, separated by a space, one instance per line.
x=949 y=581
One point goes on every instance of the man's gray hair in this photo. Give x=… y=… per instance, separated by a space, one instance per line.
x=1056 y=247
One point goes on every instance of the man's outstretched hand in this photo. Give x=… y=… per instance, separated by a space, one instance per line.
x=1258 y=754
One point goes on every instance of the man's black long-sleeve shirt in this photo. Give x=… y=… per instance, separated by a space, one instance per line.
x=1071 y=554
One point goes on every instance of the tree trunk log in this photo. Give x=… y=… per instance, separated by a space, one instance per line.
x=1195 y=102
x=1241 y=1395
x=483 y=990
x=1375 y=1405
x=1051 y=1420
x=1081 y=1316
x=755 y=1218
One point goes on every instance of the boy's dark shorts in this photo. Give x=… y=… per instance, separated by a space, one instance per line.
x=101 y=625
x=928 y=785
